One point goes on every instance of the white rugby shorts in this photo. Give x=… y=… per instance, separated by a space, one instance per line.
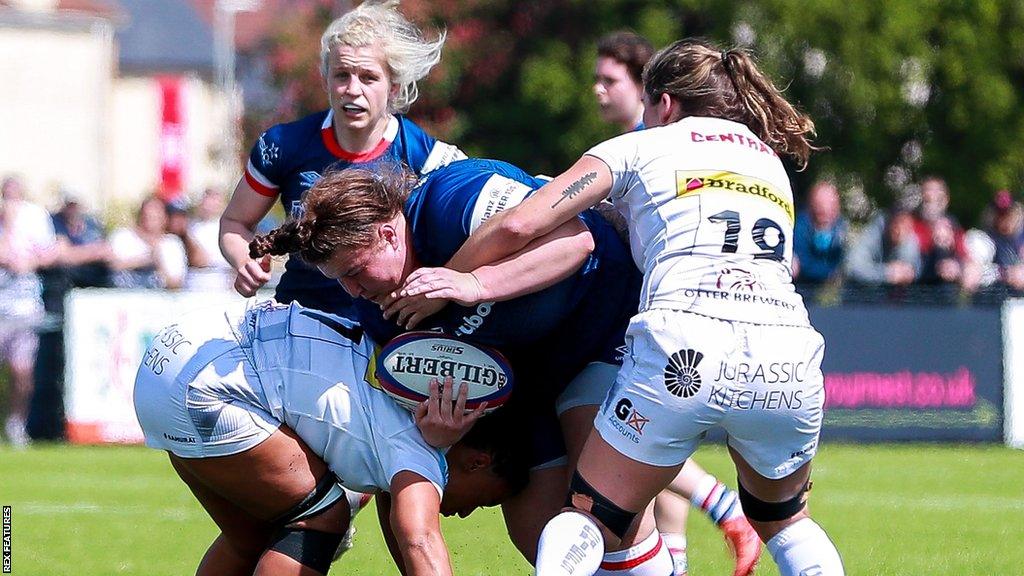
x=685 y=373
x=197 y=394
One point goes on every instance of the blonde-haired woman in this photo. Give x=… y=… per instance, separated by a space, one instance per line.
x=371 y=60
x=721 y=337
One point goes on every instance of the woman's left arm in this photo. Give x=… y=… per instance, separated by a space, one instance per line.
x=543 y=262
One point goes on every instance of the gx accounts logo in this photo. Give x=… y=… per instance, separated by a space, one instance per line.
x=681 y=376
x=625 y=412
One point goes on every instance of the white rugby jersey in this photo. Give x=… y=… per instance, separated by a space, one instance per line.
x=314 y=369
x=710 y=214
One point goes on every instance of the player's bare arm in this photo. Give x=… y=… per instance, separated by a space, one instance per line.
x=416 y=526
x=383 y=501
x=237 y=224
x=585 y=184
x=542 y=263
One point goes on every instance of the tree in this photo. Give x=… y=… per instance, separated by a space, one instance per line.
x=897 y=88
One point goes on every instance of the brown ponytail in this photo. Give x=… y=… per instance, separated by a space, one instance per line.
x=341 y=211
x=727 y=84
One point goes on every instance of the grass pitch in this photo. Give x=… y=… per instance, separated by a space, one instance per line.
x=891 y=509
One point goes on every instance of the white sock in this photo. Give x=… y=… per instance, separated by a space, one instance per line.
x=676 y=544
x=716 y=500
x=356 y=500
x=647 y=558
x=803 y=549
x=571 y=544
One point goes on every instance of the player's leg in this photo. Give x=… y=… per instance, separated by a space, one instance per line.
x=193 y=397
x=255 y=497
x=670 y=514
x=722 y=506
x=777 y=509
x=243 y=538
x=21 y=345
x=646 y=429
x=527 y=512
x=773 y=435
x=643 y=552
x=608 y=494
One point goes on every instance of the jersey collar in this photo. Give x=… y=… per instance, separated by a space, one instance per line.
x=331 y=141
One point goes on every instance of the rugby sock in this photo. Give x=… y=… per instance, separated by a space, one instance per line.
x=716 y=500
x=676 y=544
x=803 y=548
x=570 y=544
x=648 y=558
x=356 y=500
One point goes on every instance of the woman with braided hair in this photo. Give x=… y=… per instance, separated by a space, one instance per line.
x=564 y=342
x=721 y=337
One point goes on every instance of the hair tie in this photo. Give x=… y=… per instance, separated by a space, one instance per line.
x=725 y=62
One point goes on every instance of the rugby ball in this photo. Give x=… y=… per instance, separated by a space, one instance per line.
x=407 y=364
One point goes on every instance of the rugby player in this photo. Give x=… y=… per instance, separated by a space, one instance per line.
x=618 y=87
x=370 y=230
x=267 y=413
x=370 y=60
x=710 y=214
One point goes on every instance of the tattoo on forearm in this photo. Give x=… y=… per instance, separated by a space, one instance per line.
x=576 y=187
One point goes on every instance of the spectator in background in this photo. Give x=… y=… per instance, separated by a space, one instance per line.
x=886 y=252
x=1006 y=230
x=944 y=255
x=819 y=238
x=84 y=252
x=621 y=57
x=208 y=270
x=179 y=223
x=146 y=255
x=27 y=244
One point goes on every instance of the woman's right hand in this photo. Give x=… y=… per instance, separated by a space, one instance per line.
x=443 y=419
x=252 y=275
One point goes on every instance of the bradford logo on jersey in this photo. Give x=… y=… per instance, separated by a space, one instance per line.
x=699 y=181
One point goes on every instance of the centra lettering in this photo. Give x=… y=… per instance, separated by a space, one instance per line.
x=459 y=371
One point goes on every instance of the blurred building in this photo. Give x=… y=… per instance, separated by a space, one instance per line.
x=113 y=98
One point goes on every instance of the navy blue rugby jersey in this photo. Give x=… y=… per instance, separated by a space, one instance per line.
x=289 y=158
x=450 y=203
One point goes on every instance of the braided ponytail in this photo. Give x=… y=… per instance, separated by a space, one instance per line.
x=341 y=211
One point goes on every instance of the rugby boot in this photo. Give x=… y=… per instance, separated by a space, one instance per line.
x=744 y=544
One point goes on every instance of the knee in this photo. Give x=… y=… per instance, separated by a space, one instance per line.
x=236 y=550
x=614 y=519
x=313 y=548
x=335 y=518
x=770 y=518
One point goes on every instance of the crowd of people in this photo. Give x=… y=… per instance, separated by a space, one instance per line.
x=168 y=246
x=914 y=251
